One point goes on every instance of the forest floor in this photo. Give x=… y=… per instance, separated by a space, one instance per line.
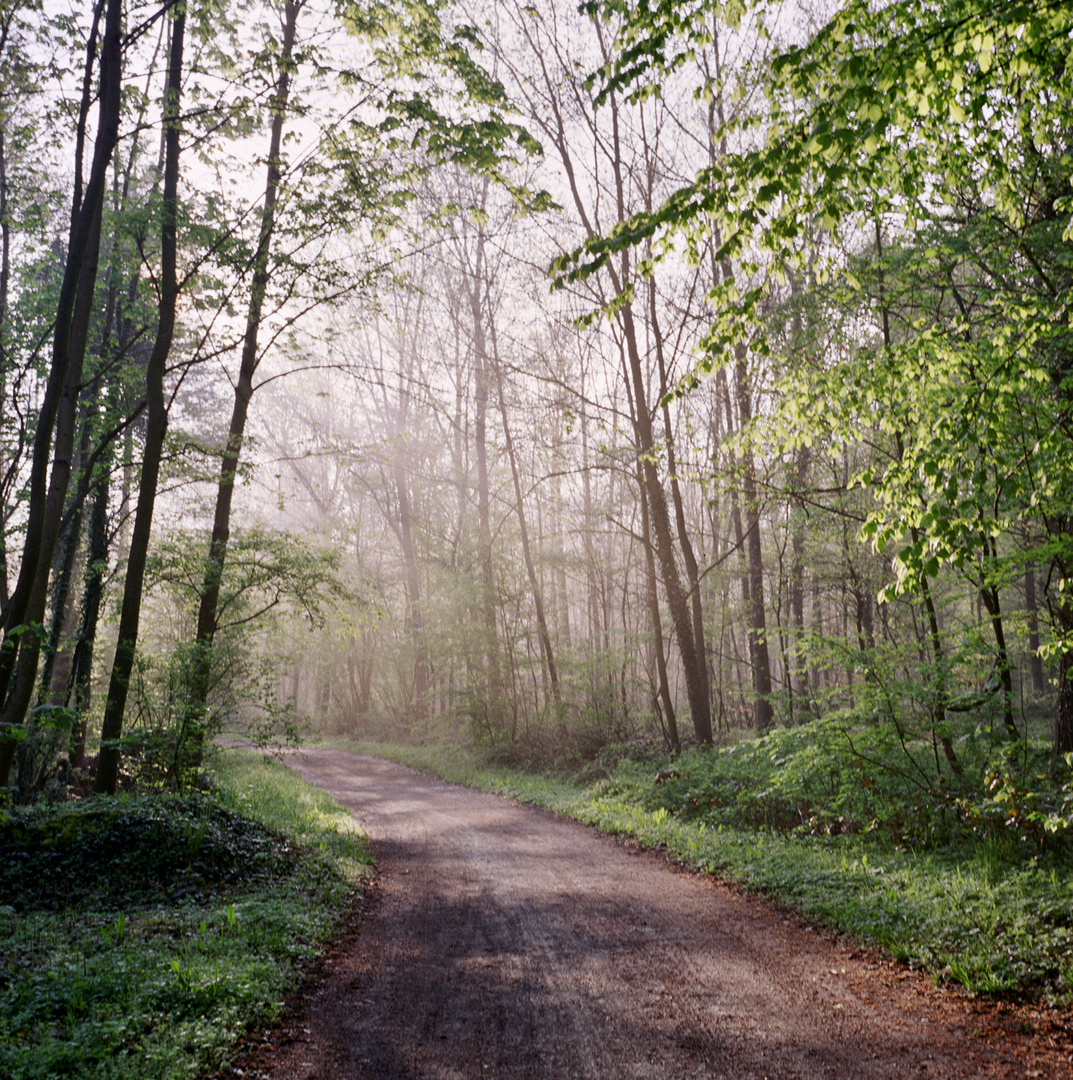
x=504 y=942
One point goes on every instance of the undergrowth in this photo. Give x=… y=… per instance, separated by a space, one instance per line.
x=140 y=937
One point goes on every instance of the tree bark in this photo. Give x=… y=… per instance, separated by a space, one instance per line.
x=61 y=390
x=763 y=710
x=530 y=568
x=1035 y=662
x=656 y=620
x=414 y=621
x=5 y=279
x=493 y=690
x=989 y=594
x=79 y=685
x=799 y=680
x=156 y=426
x=201 y=662
x=685 y=543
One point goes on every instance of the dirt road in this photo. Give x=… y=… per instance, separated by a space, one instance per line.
x=507 y=943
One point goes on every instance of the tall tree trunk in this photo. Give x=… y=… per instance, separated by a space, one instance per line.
x=685 y=543
x=79 y=685
x=799 y=675
x=63 y=571
x=1062 y=615
x=656 y=620
x=693 y=660
x=201 y=663
x=763 y=710
x=737 y=528
x=21 y=694
x=5 y=280
x=530 y=568
x=68 y=347
x=57 y=663
x=938 y=657
x=591 y=603
x=156 y=426
x=677 y=599
x=990 y=596
x=494 y=690
x=1035 y=661
x=561 y=589
x=414 y=621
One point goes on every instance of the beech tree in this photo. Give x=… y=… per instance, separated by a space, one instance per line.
x=884 y=115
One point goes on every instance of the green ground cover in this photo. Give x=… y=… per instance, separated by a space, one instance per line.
x=140 y=937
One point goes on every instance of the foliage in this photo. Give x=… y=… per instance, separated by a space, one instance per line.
x=145 y=936
x=164 y=746
x=910 y=166
x=1021 y=803
x=266 y=569
x=269 y=574
x=41 y=771
x=156 y=847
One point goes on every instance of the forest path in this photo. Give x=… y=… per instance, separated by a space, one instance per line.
x=507 y=943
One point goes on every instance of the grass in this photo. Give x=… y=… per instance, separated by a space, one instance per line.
x=930 y=879
x=141 y=937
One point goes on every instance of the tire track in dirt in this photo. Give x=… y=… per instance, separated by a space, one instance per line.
x=508 y=943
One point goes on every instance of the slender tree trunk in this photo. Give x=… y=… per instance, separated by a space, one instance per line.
x=530 y=568
x=561 y=589
x=5 y=279
x=938 y=658
x=592 y=606
x=415 y=618
x=990 y=596
x=1035 y=662
x=799 y=676
x=1062 y=614
x=56 y=668
x=685 y=543
x=763 y=711
x=69 y=343
x=63 y=571
x=19 y=698
x=677 y=599
x=201 y=663
x=79 y=686
x=494 y=690
x=156 y=426
x=655 y=619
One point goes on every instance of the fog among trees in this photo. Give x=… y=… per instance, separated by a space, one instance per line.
x=537 y=377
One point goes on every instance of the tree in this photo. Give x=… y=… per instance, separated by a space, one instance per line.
x=56 y=415
x=111 y=725
x=884 y=115
x=478 y=144
x=626 y=155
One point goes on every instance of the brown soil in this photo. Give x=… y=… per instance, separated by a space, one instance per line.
x=507 y=943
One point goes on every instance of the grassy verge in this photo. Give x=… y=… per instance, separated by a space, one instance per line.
x=140 y=937
x=991 y=914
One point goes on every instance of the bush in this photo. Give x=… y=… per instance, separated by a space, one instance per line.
x=842 y=774
x=111 y=854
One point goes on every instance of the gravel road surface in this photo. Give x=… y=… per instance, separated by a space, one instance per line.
x=504 y=942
